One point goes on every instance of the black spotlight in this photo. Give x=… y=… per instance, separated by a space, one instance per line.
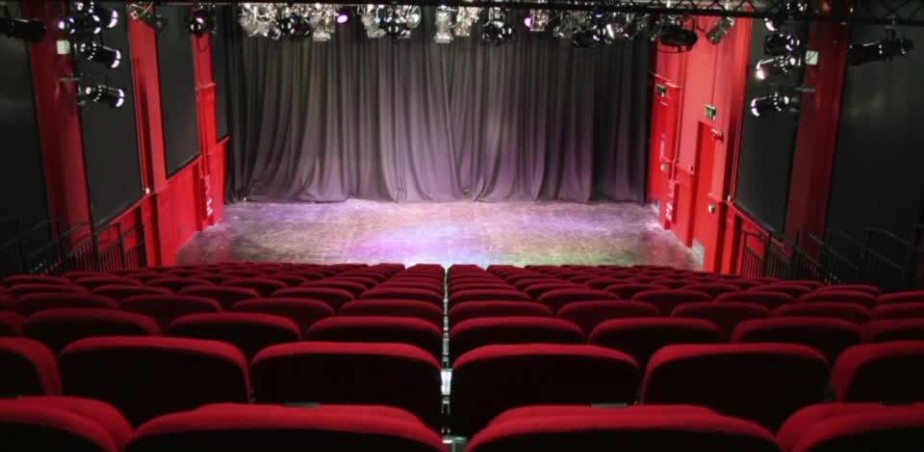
x=80 y=25
x=496 y=30
x=28 y=29
x=102 y=94
x=99 y=53
x=673 y=34
x=598 y=31
x=775 y=102
x=777 y=66
x=294 y=25
x=105 y=17
x=889 y=47
x=720 y=30
x=202 y=20
x=781 y=43
x=144 y=11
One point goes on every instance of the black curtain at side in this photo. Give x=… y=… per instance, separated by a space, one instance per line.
x=533 y=119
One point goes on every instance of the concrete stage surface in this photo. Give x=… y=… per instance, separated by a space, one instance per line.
x=444 y=233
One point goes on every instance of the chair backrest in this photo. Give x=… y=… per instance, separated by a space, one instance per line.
x=286 y=429
x=841 y=296
x=333 y=297
x=395 y=308
x=11 y=324
x=28 y=368
x=726 y=315
x=668 y=299
x=398 y=375
x=893 y=330
x=885 y=372
x=354 y=288
x=250 y=332
x=176 y=284
x=712 y=288
x=463 y=296
x=632 y=428
x=471 y=334
x=122 y=291
x=19 y=280
x=769 y=300
x=32 y=303
x=226 y=296
x=265 y=286
x=642 y=337
x=588 y=314
x=854 y=428
x=829 y=337
x=167 y=308
x=495 y=378
x=907 y=310
x=872 y=290
x=908 y=296
x=303 y=312
x=56 y=328
x=556 y=299
x=764 y=383
x=88 y=419
x=145 y=377
x=379 y=329
x=829 y=309
x=819 y=419
x=399 y=293
x=476 y=309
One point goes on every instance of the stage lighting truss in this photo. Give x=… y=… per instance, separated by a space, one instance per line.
x=293 y=20
x=145 y=12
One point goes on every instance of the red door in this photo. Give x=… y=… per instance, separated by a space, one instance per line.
x=665 y=112
x=706 y=205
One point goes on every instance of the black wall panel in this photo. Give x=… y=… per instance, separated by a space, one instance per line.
x=767 y=147
x=879 y=165
x=178 y=89
x=110 y=135
x=220 y=46
x=22 y=176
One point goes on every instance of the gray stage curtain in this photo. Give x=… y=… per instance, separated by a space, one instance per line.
x=533 y=119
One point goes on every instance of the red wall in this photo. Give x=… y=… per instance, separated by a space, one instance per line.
x=173 y=209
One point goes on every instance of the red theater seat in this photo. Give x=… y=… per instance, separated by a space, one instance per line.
x=120 y=292
x=21 y=290
x=92 y=282
x=30 y=304
x=911 y=296
x=829 y=337
x=840 y=296
x=487 y=295
x=145 y=377
x=301 y=311
x=601 y=283
x=789 y=288
x=496 y=378
x=588 y=314
x=769 y=300
x=10 y=324
x=61 y=424
x=649 y=428
x=853 y=427
x=899 y=311
x=397 y=375
x=333 y=297
x=19 y=280
x=539 y=289
x=354 y=288
x=239 y=427
x=893 y=330
x=58 y=327
x=28 y=368
x=178 y=284
x=250 y=332
x=556 y=299
x=764 y=383
x=642 y=337
x=886 y=372
x=714 y=289
x=398 y=293
x=828 y=309
x=394 y=308
x=726 y=315
x=495 y=285
x=872 y=290
x=478 y=309
x=668 y=299
x=471 y=334
x=167 y=308
x=226 y=296
x=378 y=329
x=264 y=286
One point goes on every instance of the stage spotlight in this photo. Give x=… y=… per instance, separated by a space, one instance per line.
x=343 y=16
x=108 y=18
x=80 y=26
x=775 y=102
x=466 y=18
x=102 y=94
x=597 y=31
x=202 y=20
x=99 y=53
x=774 y=23
x=776 y=66
x=673 y=34
x=720 y=30
x=537 y=20
x=496 y=30
x=889 y=47
x=294 y=25
x=443 y=25
x=29 y=29
x=144 y=11
x=781 y=43
x=323 y=19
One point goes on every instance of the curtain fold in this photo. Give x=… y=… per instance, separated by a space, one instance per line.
x=533 y=119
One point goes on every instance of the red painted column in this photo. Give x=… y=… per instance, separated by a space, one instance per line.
x=816 y=142
x=59 y=120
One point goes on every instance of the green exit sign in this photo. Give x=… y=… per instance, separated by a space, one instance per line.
x=711 y=112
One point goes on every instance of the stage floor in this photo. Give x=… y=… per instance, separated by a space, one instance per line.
x=445 y=233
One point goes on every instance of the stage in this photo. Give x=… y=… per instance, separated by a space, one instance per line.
x=444 y=233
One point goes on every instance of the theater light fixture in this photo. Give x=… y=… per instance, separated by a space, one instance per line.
x=720 y=30
x=889 y=47
x=466 y=18
x=29 y=29
x=776 y=101
x=781 y=43
x=595 y=31
x=101 y=94
x=443 y=25
x=202 y=20
x=777 y=66
x=144 y=11
x=99 y=53
x=496 y=30
x=538 y=19
x=672 y=33
x=293 y=24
